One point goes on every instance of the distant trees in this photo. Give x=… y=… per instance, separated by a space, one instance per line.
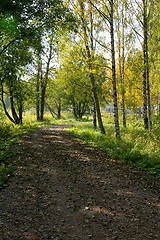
x=80 y=54
x=74 y=78
x=42 y=80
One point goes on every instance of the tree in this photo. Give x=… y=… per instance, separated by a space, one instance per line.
x=134 y=75
x=90 y=66
x=26 y=17
x=109 y=17
x=38 y=79
x=116 y=120
x=142 y=11
x=121 y=55
x=146 y=86
x=73 y=75
x=11 y=81
x=154 y=54
x=21 y=21
x=44 y=80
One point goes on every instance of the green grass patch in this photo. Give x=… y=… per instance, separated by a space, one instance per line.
x=138 y=147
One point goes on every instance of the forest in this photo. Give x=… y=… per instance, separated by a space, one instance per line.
x=90 y=61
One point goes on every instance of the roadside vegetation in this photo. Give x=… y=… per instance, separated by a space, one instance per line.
x=137 y=146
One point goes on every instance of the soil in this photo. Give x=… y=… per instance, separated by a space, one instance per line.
x=64 y=189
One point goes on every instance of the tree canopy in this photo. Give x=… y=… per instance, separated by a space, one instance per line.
x=80 y=55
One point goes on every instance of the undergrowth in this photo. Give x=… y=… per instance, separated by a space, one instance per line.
x=137 y=146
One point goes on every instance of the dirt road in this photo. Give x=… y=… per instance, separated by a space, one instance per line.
x=64 y=189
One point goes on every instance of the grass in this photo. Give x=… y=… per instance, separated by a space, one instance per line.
x=10 y=133
x=138 y=147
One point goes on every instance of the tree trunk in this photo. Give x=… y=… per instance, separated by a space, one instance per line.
x=122 y=83
x=116 y=118
x=145 y=117
x=59 y=109
x=94 y=116
x=121 y=61
x=38 y=89
x=121 y=74
x=146 y=87
x=92 y=53
x=45 y=81
x=4 y=106
x=74 y=109
x=20 y=109
x=82 y=109
x=43 y=93
x=158 y=108
x=14 y=114
x=100 y=123
x=91 y=76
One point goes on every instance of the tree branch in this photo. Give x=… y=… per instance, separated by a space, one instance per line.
x=99 y=11
x=5 y=48
x=26 y=35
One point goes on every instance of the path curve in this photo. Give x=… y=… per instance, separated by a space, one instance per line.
x=64 y=189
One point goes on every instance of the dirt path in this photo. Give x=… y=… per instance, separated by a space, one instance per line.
x=64 y=189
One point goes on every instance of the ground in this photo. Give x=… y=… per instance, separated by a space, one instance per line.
x=64 y=189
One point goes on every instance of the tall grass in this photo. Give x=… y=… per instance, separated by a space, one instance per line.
x=137 y=146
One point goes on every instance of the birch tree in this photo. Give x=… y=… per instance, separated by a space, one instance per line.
x=121 y=54
x=89 y=56
x=109 y=17
x=140 y=24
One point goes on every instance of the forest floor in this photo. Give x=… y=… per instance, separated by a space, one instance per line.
x=64 y=189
